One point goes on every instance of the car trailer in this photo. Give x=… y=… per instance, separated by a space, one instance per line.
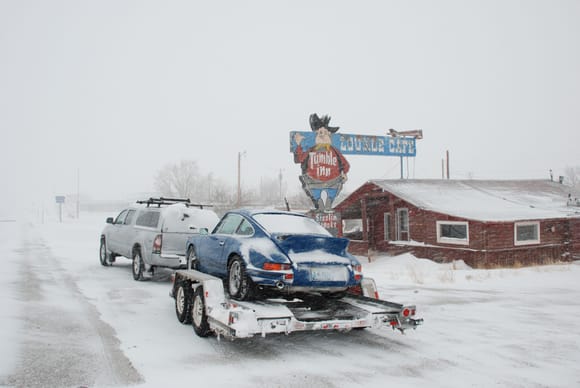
x=200 y=299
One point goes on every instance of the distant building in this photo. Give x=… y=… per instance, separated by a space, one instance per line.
x=485 y=223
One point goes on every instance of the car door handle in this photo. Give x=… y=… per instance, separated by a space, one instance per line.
x=222 y=243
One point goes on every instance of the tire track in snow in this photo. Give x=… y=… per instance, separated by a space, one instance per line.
x=66 y=344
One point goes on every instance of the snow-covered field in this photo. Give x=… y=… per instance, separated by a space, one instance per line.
x=67 y=321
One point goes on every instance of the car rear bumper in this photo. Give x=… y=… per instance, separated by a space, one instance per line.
x=168 y=261
x=298 y=283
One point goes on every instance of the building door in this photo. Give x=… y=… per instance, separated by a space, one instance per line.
x=403 y=224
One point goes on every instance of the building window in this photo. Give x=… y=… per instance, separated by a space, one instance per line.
x=387 y=225
x=453 y=232
x=403 y=224
x=527 y=233
x=352 y=229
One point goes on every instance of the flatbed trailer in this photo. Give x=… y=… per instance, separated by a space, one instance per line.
x=200 y=299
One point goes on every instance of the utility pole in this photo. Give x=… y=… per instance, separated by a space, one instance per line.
x=280 y=178
x=240 y=154
x=78 y=193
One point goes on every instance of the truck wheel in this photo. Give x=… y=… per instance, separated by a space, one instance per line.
x=103 y=253
x=198 y=314
x=239 y=284
x=138 y=265
x=183 y=303
x=191 y=258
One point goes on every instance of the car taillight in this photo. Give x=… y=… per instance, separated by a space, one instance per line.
x=357 y=268
x=276 y=267
x=157 y=244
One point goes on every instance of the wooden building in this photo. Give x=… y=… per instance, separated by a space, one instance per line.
x=485 y=223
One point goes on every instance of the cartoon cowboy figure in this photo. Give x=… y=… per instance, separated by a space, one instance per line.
x=324 y=168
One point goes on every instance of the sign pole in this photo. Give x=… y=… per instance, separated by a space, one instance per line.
x=401 y=167
x=60 y=200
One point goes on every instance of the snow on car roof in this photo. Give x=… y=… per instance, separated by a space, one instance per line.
x=486 y=200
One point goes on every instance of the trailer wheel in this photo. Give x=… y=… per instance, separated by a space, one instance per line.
x=198 y=314
x=239 y=284
x=183 y=303
x=103 y=253
x=138 y=266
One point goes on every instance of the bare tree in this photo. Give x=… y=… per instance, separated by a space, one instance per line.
x=179 y=179
x=573 y=175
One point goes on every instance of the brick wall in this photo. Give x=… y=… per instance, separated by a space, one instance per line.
x=491 y=244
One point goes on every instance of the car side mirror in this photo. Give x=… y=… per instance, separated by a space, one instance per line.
x=109 y=220
x=203 y=231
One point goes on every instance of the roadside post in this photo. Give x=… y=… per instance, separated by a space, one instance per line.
x=59 y=200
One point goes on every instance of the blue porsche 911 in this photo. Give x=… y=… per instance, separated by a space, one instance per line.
x=268 y=252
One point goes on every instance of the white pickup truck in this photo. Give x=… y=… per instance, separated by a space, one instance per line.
x=153 y=233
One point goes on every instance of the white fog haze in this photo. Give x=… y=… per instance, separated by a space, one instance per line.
x=111 y=91
x=178 y=134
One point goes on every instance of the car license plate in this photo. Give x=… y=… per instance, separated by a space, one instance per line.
x=328 y=274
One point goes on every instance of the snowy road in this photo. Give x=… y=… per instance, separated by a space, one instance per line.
x=64 y=341
x=68 y=321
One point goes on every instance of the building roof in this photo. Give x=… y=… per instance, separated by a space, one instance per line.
x=487 y=200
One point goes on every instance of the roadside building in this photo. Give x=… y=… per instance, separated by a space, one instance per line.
x=486 y=223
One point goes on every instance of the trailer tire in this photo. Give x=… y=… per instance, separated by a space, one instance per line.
x=198 y=314
x=183 y=303
x=240 y=285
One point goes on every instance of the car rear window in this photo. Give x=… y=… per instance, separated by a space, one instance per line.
x=148 y=218
x=289 y=224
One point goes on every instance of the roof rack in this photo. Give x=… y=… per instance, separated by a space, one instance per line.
x=171 y=201
x=163 y=201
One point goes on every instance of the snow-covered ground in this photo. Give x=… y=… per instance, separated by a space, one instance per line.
x=67 y=321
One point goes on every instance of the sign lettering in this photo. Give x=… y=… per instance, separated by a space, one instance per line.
x=349 y=144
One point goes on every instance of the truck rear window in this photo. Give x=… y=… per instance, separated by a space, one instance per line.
x=148 y=218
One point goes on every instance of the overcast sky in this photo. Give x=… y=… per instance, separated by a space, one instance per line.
x=116 y=89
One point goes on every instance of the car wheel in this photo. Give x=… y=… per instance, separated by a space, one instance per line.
x=198 y=314
x=239 y=284
x=183 y=303
x=103 y=253
x=191 y=258
x=138 y=265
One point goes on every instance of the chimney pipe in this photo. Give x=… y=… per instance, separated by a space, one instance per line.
x=447 y=153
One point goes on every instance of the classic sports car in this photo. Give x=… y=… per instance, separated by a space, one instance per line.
x=267 y=252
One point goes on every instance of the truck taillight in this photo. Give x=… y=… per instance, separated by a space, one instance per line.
x=157 y=244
